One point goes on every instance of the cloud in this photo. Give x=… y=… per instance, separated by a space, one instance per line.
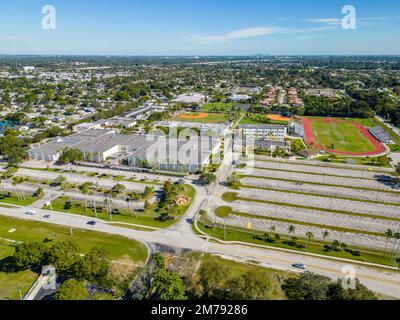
x=309 y=37
x=338 y=21
x=328 y=21
x=250 y=33
x=237 y=34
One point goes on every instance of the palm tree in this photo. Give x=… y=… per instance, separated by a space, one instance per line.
x=396 y=236
x=389 y=235
x=108 y=203
x=325 y=234
x=309 y=235
x=292 y=229
x=272 y=228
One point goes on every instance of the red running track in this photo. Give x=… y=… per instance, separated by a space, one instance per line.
x=379 y=147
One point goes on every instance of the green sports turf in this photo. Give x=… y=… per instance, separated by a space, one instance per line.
x=342 y=136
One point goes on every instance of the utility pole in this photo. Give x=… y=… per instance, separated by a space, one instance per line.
x=70 y=231
x=20 y=293
x=94 y=206
x=224 y=229
x=51 y=205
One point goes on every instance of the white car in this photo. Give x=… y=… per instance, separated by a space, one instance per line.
x=31 y=212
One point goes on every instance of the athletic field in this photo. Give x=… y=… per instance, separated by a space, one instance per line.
x=201 y=117
x=341 y=137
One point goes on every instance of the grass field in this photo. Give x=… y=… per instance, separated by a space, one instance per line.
x=39 y=232
x=10 y=283
x=13 y=199
x=32 y=231
x=341 y=136
x=201 y=117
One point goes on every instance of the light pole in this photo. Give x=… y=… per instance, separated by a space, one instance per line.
x=224 y=229
x=50 y=204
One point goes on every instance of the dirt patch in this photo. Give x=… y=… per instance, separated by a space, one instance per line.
x=194 y=116
x=277 y=117
x=181 y=200
x=123 y=268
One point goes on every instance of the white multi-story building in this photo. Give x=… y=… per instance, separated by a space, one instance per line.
x=268 y=132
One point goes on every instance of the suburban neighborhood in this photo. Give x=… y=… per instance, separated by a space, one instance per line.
x=200 y=177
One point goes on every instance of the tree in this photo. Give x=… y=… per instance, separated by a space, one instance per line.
x=254 y=285
x=63 y=255
x=325 y=234
x=39 y=193
x=207 y=178
x=309 y=235
x=213 y=277
x=93 y=266
x=59 y=180
x=148 y=192
x=70 y=155
x=233 y=181
x=147 y=205
x=168 y=286
x=308 y=286
x=72 y=290
x=292 y=229
x=336 y=292
x=85 y=190
x=29 y=254
x=389 y=235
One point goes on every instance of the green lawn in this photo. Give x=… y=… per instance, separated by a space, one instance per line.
x=42 y=232
x=13 y=199
x=10 y=282
x=147 y=218
x=210 y=118
x=362 y=161
x=341 y=136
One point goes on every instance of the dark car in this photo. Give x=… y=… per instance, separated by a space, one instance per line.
x=91 y=223
x=299 y=266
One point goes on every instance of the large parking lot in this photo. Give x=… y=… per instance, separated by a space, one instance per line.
x=357 y=204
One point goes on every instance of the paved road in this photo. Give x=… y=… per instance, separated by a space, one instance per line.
x=386 y=282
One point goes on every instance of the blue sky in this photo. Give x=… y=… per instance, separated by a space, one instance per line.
x=202 y=27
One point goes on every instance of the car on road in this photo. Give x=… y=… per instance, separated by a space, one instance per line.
x=46 y=216
x=91 y=223
x=189 y=221
x=31 y=212
x=299 y=266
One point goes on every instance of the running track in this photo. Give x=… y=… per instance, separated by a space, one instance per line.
x=379 y=148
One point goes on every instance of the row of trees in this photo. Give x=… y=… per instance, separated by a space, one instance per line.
x=211 y=278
